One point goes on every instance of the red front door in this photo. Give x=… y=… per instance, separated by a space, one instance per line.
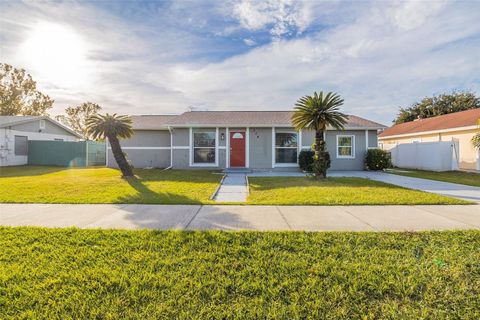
x=237 y=149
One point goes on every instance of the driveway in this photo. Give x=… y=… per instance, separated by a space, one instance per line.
x=459 y=191
x=224 y=217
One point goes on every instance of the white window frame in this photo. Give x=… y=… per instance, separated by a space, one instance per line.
x=353 y=146
x=274 y=147
x=192 y=147
x=42 y=124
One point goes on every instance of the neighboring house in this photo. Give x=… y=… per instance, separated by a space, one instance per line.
x=458 y=127
x=263 y=140
x=16 y=131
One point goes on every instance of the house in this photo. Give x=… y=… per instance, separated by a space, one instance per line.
x=257 y=140
x=458 y=127
x=16 y=131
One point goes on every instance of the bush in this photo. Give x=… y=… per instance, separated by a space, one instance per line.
x=378 y=159
x=305 y=160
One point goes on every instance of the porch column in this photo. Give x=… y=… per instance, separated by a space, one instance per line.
x=227 y=147
x=366 y=139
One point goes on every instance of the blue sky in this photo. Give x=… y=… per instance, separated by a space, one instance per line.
x=153 y=57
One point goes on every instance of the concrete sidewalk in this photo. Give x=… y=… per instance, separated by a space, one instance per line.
x=233 y=188
x=224 y=217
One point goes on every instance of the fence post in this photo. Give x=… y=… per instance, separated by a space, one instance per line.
x=86 y=153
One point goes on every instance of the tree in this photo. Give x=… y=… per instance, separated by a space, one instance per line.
x=316 y=113
x=114 y=128
x=476 y=138
x=19 y=94
x=438 y=105
x=76 y=117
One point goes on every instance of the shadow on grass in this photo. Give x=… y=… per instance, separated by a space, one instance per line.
x=146 y=196
x=23 y=171
x=190 y=176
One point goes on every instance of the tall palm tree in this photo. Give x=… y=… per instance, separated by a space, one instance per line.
x=113 y=128
x=316 y=113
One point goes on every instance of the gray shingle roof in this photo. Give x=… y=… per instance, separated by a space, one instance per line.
x=251 y=118
x=151 y=122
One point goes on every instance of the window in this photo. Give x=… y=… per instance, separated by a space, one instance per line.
x=286 y=147
x=42 y=124
x=21 y=146
x=204 y=147
x=345 y=146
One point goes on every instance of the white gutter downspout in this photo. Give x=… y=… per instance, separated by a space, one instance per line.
x=171 y=149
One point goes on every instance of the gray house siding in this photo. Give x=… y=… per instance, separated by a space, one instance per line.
x=260 y=148
x=308 y=136
x=372 y=139
x=222 y=143
x=151 y=148
x=181 y=159
x=180 y=137
x=337 y=163
x=148 y=138
x=34 y=126
x=143 y=158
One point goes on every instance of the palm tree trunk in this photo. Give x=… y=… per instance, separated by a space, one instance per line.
x=120 y=157
x=321 y=170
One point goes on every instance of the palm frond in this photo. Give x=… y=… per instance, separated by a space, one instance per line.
x=109 y=125
x=319 y=111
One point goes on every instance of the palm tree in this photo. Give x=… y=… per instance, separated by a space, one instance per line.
x=112 y=127
x=316 y=113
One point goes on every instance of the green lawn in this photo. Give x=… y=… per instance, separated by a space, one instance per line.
x=105 y=274
x=32 y=184
x=468 y=178
x=336 y=191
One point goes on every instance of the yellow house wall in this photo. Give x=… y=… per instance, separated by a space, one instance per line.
x=468 y=155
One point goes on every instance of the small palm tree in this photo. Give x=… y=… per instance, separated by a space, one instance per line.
x=316 y=113
x=112 y=127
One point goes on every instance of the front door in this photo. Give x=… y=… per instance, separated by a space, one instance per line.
x=237 y=149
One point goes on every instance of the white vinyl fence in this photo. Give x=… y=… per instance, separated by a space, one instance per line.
x=434 y=156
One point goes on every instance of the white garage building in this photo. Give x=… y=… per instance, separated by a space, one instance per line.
x=16 y=131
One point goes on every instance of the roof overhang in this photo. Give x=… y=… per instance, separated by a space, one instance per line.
x=413 y=134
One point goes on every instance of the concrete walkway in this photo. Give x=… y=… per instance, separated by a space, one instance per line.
x=233 y=188
x=448 y=189
x=223 y=217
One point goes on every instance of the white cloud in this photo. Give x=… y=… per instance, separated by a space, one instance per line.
x=413 y=13
x=280 y=16
x=373 y=54
x=249 y=42
x=373 y=63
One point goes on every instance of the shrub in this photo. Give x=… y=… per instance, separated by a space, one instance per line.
x=305 y=160
x=378 y=159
